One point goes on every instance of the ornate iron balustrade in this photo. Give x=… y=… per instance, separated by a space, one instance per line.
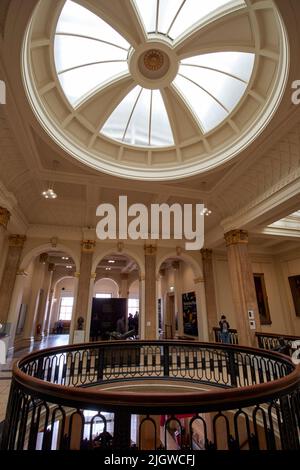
x=275 y=341
x=233 y=335
x=175 y=394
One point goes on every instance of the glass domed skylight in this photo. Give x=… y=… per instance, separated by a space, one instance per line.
x=155 y=89
x=90 y=54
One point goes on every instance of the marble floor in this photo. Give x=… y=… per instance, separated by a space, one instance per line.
x=6 y=369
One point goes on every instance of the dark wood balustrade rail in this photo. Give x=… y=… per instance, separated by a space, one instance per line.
x=64 y=378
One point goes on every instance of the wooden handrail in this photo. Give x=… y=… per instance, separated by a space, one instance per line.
x=163 y=402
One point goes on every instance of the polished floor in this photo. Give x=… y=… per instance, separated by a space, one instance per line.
x=6 y=369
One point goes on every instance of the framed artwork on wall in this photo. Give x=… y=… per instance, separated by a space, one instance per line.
x=295 y=290
x=262 y=299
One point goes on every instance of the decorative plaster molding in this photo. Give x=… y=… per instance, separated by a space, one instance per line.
x=17 y=240
x=235 y=237
x=206 y=254
x=88 y=246
x=4 y=217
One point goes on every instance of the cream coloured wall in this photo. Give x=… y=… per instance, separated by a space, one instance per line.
x=289 y=265
x=68 y=284
x=276 y=272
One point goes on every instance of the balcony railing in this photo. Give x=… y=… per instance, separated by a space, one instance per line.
x=233 y=335
x=276 y=341
x=154 y=394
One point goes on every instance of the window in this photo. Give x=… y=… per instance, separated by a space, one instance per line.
x=133 y=306
x=66 y=307
x=104 y=295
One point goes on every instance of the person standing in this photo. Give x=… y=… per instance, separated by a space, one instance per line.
x=224 y=330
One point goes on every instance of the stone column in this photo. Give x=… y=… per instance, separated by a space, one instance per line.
x=178 y=301
x=4 y=219
x=150 y=292
x=201 y=309
x=124 y=286
x=15 y=305
x=43 y=307
x=210 y=293
x=85 y=283
x=142 y=306
x=242 y=285
x=16 y=243
x=48 y=314
x=34 y=302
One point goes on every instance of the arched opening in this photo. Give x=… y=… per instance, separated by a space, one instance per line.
x=45 y=295
x=180 y=302
x=115 y=295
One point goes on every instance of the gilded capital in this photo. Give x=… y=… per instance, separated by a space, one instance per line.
x=88 y=246
x=17 y=240
x=93 y=275
x=206 y=254
x=51 y=267
x=4 y=217
x=22 y=272
x=150 y=249
x=198 y=280
x=77 y=274
x=235 y=237
x=175 y=265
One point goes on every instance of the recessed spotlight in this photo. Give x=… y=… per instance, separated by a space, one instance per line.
x=65 y=257
x=107 y=269
x=69 y=267
x=111 y=261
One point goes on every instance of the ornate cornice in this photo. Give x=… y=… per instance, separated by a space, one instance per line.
x=4 y=217
x=234 y=237
x=88 y=246
x=17 y=240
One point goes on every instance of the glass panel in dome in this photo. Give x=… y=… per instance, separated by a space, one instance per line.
x=239 y=64
x=78 y=82
x=224 y=88
x=79 y=20
x=206 y=109
x=147 y=11
x=192 y=12
x=138 y=129
x=161 y=132
x=70 y=51
x=116 y=124
x=167 y=12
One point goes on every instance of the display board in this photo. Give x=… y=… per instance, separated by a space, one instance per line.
x=105 y=314
x=189 y=309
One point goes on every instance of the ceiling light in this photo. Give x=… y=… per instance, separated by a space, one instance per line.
x=205 y=211
x=65 y=257
x=107 y=269
x=49 y=194
x=111 y=261
x=69 y=267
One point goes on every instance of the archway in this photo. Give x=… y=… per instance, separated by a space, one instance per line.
x=114 y=274
x=180 y=297
x=31 y=307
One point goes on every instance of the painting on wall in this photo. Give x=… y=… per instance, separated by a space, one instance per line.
x=262 y=299
x=189 y=309
x=295 y=290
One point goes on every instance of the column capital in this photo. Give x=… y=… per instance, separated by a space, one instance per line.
x=77 y=274
x=16 y=240
x=150 y=249
x=93 y=275
x=198 y=280
x=175 y=264
x=22 y=272
x=162 y=272
x=51 y=267
x=88 y=246
x=234 y=237
x=43 y=258
x=4 y=217
x=206 y=254
x=141 y=277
